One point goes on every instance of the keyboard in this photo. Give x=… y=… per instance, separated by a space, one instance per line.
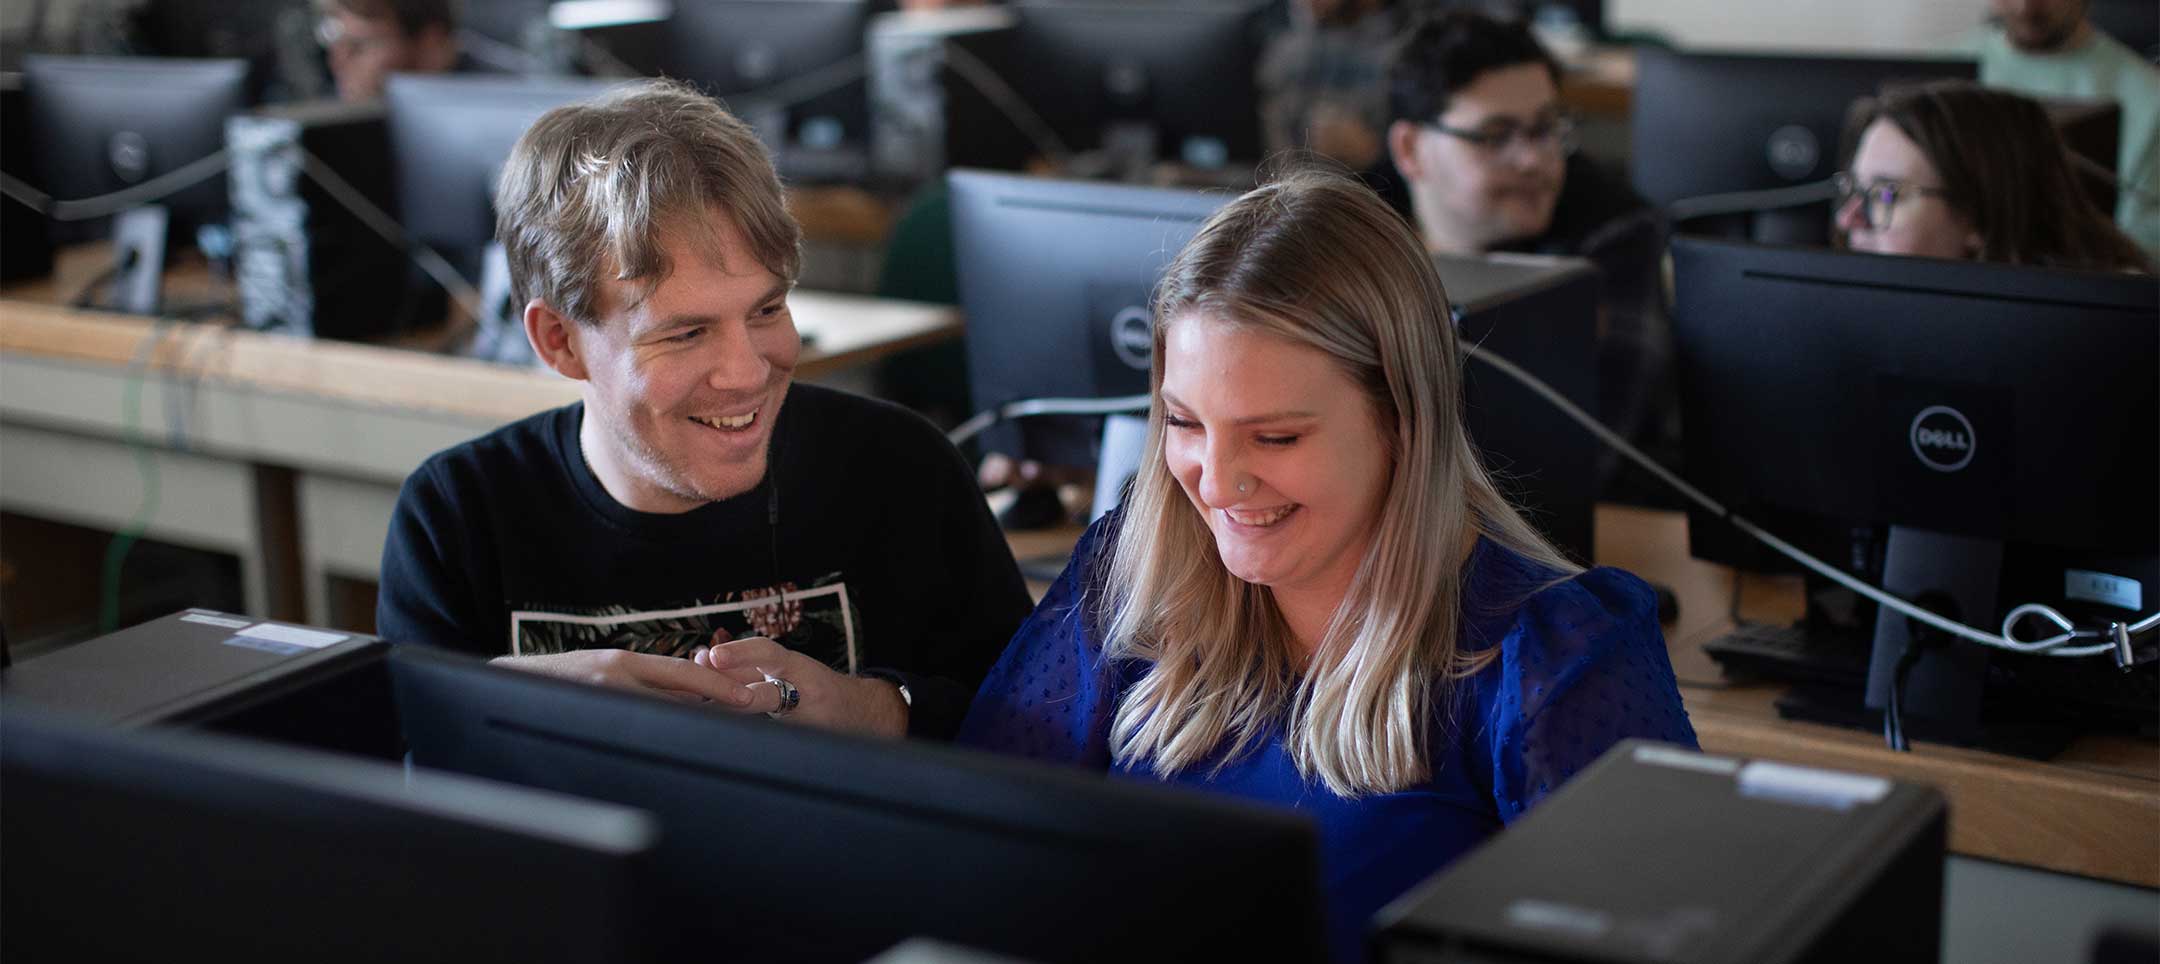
x=1791 y=654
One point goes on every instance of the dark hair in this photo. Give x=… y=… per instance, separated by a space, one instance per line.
x=412 y=16
x=2004 y=166
x=1446 y=53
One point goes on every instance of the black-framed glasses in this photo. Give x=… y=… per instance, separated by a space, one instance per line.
x=1554 y=134
x=1879 y=197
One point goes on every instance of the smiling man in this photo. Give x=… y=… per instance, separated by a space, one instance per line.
x=698 y=526
x=1487 y=158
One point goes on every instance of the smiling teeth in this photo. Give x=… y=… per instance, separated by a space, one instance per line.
x=732 y=422
x=1259 y=519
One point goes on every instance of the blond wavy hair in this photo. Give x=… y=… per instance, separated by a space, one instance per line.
x=1322 y=262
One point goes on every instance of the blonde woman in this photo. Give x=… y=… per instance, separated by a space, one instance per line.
x=1314 y=596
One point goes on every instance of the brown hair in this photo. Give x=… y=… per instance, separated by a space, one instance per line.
x=593 y=186
x=2004 y=166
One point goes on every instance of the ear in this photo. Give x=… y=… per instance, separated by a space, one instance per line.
x=555 y=339
x=1402 y=139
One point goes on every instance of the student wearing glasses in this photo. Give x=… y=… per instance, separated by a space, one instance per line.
x=1954 y=170
x=1487 y=163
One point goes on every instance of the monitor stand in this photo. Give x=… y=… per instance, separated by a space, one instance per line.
x=138 y=267
x=1957 y=577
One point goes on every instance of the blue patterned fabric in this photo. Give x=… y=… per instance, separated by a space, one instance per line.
x=1582 y=665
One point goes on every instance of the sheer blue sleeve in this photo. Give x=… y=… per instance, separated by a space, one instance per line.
x=1583 y=668
x=1051 y=697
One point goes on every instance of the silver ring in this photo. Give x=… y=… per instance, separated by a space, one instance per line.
x=790 y=697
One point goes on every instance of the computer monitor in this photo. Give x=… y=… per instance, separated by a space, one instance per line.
x=156 y=844
x=793 y=69
x=450 y=135
x=790 y=843
x=1982 y=432
x=99 y=125
x=1716 y=123
x=1173 y=81
x=1056 y=279
x=1541 y=313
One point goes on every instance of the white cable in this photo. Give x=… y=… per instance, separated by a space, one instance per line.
x=2052 y=647
x=806 y=86
x=1046 y=406
x=986 y=82
x=1741 y=202
x=104 y=205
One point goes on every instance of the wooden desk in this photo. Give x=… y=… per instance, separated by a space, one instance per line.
x=285 y=452
x=2095 y=810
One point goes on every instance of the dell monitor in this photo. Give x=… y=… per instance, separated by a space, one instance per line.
x=787 y=843
x=792 y=69
x=1718 y=123
x=100 y=125
x=1056 y=279
x=1141 y=81
x=1541 y=314
x=155 y=844
x=1974 y=436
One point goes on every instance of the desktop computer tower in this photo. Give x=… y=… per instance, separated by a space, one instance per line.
x=305 y=262
x=1660 y=854
x=233 y=674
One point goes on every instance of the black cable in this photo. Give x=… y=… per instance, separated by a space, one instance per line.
x=123 y=261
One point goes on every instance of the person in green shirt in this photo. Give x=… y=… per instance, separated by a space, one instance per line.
x=2049 y=48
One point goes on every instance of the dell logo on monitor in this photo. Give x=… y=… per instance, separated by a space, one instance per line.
x=1943 y=438
x=1132 y=336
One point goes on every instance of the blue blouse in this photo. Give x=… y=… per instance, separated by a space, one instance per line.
x=1582 y=665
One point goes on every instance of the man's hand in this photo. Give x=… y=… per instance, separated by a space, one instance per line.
x=674 y=678
x=828 y=700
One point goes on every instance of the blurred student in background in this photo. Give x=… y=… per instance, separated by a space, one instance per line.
x=1952 y=170
x=368 y=40
x=2050 y=48
x=1486 y=158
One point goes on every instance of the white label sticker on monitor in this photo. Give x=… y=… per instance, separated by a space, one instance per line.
x=2099 y=587
x=310 y=638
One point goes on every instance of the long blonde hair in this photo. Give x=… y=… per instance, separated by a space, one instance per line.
x=1322 y=262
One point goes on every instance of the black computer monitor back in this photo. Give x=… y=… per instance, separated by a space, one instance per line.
x=1842 y=399
x=1540 y=314
x=449 y=138
x=784 y=843
x=103 y=124
x=1056 y=279
x=1713 y=123
x=800 y=58
x=160 y=845
x=1184 y=71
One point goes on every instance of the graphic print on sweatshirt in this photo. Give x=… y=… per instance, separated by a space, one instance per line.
x=819 y=622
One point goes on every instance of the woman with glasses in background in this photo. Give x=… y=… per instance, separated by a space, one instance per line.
x=1954 y=170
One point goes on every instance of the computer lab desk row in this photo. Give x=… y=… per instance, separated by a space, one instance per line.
x=288 y=454
x=2094 y=810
